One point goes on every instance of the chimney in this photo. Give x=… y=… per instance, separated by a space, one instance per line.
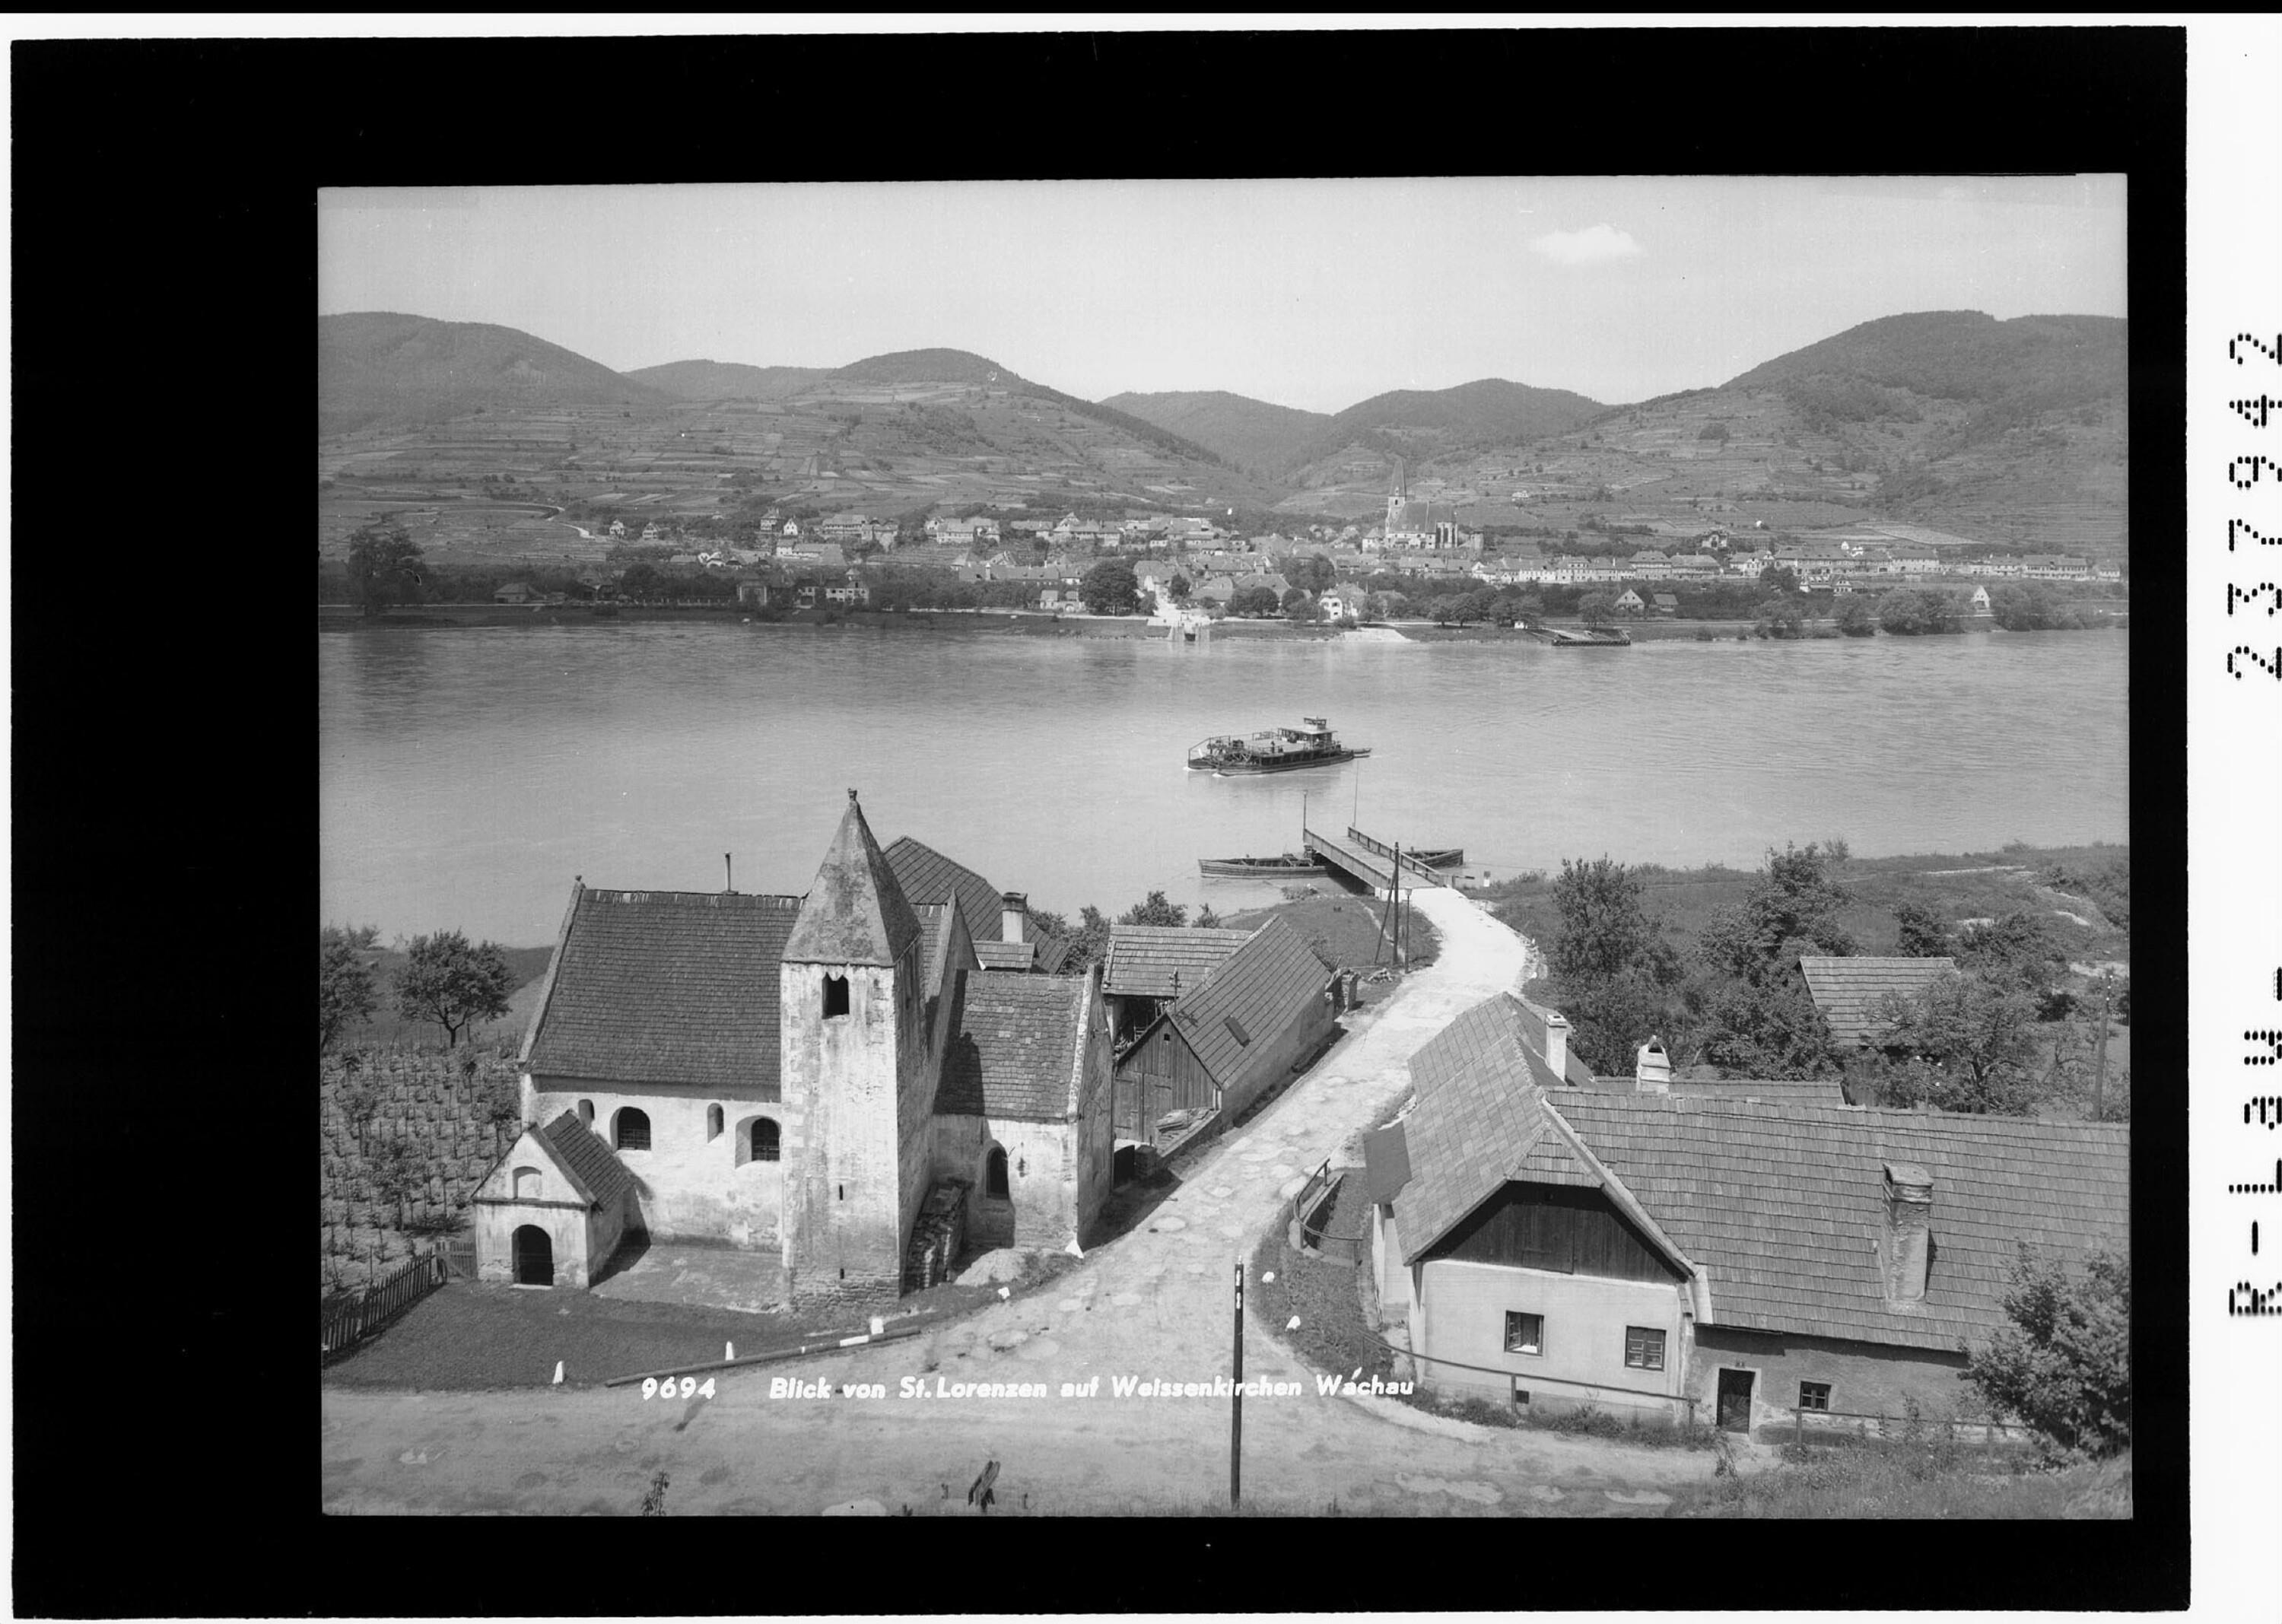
x=1016 y=908
x=1907 y=1244
x=1652 y=1066
x=1556 y=1044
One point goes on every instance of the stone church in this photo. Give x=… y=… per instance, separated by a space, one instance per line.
x=834 y=1078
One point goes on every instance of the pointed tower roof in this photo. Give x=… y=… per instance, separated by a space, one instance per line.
x=855 y=913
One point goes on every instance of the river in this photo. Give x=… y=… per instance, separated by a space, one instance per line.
x=466 y=775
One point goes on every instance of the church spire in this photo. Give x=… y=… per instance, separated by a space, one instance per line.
x=855 y=913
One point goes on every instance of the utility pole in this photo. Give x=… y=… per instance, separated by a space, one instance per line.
x=1236 y=1401
x=2100 y=1060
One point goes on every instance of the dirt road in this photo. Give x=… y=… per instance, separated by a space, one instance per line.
x=1152 y=1304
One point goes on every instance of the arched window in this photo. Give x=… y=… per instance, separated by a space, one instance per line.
x=634 y=1129
x=587 y=1112
x=527 y=1184
x=713 y=1122
x=994 y=1172
x=836 y=996
x=767 y=1146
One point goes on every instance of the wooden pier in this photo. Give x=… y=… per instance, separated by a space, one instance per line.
x=1365 y=860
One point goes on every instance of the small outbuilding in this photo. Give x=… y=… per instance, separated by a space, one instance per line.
x=554 y=1209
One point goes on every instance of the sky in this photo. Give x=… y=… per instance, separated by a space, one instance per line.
x=1315 y=294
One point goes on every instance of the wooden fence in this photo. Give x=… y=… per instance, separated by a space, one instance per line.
x=1848 y=1426
x=345 y=1322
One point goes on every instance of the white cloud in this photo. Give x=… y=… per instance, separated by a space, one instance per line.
x=1593 y=245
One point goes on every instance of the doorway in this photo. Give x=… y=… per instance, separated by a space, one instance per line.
x=534 y=1256
x=1735 y=1400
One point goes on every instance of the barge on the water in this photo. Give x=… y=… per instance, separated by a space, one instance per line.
x=1592 y=637
x=1277 y=750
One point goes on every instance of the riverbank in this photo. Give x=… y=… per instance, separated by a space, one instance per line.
x=1015 y=623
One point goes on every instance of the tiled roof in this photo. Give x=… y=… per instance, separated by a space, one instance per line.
x=1250 y=997
x=855 y=913
x=1006 y=955
x=1784 y=1204
x=1016 y=1052
x=591 y=1163
x=1386 y=1164
x=935 y=936
x=677 y=987
x=1481 y=1113
x=1772 y=1090
x=927 y=875
x=1845 y=989
x=1142 y=958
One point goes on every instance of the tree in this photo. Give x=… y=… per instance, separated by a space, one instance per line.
x=446 y=981
x=1110 y=588
x=1854 y=618
x=1206 y=919
x=1605 y=928
x=1178 y=589
x=382 y=564
x=1254 y=600
x=1297 y=604
x=1767 y=1027
x=1780 y=619
x=642 y=580
x=345 y=994
x=1596 y=607
x=1924 y=933
x=1780 y=578
x=2063 y=1364
x=1959 y=1043
x=1912 y=611
x=1154 y=909
x=2016 y=950
x=1794 y=902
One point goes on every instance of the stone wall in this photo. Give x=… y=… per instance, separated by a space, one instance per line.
x=1864 y=1377
x=427 y=1100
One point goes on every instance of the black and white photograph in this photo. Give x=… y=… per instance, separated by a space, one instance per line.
x=1349 y=848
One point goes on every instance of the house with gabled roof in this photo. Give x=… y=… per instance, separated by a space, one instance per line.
x=1001 y=921
x=1847 y=990
x=1207 y=1026
x=1758 y=1263
x=554 y=1207
x=807 y=1076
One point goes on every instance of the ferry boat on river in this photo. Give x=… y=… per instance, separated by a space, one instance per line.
x=1277 y=750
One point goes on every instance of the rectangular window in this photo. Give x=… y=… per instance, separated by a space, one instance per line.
x=1814 y=1396
x=1524 y=1333
x=1643 y=1349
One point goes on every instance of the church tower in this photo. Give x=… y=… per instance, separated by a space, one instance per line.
x=1398 y=503
x=858 y=1105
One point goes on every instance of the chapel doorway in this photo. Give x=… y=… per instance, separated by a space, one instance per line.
x=1735 y=1400
x=534 y=1256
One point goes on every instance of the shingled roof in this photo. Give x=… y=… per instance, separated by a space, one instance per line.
x=855 y=913
x=593 y=1163
x=1385 y=1163
x=1846 y=989
x=1144 y=959
x=1784 y=1205
x=1249 y=998
x=1006 y=955
x=1772 y=1090
x=1017 y=1049
x=676 y=987
x=926 y=875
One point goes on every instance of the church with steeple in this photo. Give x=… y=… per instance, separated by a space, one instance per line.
x=835 y=1079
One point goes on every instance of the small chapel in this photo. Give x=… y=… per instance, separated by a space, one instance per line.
x=835 y=1078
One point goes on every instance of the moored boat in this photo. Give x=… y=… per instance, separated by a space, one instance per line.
x=1292 y=865
x=1277 y=750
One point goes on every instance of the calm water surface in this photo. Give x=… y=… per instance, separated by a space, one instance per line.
x=465 y=775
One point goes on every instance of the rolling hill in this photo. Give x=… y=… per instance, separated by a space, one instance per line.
x=375 y=367
x=1420 y=425
x=727 y=380
x=1253 y=434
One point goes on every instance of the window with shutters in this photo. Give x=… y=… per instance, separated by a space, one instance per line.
x=1643 y=1349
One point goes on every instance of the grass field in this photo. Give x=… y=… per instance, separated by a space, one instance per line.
x=1348 y=930
x=1913 y=1481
